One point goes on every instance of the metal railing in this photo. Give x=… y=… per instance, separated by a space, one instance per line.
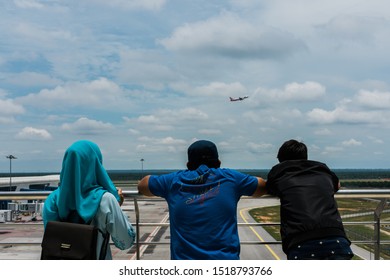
x=380 y=195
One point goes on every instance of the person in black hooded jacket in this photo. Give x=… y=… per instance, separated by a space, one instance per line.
x=311 y=226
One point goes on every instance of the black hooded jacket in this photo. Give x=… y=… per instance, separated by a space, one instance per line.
x=308 y=209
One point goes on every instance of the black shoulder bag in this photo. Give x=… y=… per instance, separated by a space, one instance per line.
x=72 y=241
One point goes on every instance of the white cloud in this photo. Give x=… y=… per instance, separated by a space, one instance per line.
x=152 y=5
x=218 y=89
x=101 y=93
x=347 y=110
x=31 y=133
x=145 y=67
x=85 y=126
x=318 y=115
x=167 y=144
x=332 y=149
x=343 y=115
x=351 y=142
x=171 y=141
x=134 y=131
x=307 y=91
x=47 y=35
x=3 y=93
x=229 y=35
x=209 y=131
x=7 y=120
x=353 y=28
x=323 y=131
x=259 y=147
x=32 y=79
x=374 y=99
x=9 y=107
x=169 y=120
x=376 y=140
x=149 y=119
x=170 y=117
x=28 y=4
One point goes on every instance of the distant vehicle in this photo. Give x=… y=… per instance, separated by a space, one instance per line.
x=238 y=98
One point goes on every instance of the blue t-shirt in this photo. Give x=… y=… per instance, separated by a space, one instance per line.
x=203 y=211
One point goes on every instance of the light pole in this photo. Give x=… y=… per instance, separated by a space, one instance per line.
x=142 y=167
x=10 y=157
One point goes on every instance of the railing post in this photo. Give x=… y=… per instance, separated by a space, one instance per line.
x=377 y=227
x=136 y=208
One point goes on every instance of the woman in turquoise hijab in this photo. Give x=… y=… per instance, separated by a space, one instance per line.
x=87 y=193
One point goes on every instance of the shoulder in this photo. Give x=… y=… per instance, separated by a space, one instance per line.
x=292 y=165
x=235 y=174
x=51 y=201
x=229 y=171
x=166 y=175
x=321 y=166
x=163 y=180
x=239 y=177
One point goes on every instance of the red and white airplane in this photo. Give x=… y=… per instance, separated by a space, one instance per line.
x=238 y=98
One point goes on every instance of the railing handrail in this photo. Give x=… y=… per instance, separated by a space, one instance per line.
x=351 y=193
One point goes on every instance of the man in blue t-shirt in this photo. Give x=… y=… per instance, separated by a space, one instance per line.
x=202 y=203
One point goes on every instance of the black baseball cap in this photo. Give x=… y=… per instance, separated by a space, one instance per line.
x=202 y=151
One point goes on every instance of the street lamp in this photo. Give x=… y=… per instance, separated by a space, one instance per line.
x=142 y=167
x=10 y=157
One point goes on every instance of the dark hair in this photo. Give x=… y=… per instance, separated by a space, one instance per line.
x=292 y=150
x=202 y=152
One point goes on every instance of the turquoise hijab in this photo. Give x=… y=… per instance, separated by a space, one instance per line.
x=83 y=181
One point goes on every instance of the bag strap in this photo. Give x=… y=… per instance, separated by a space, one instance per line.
x=103 y=249
x=74 y=217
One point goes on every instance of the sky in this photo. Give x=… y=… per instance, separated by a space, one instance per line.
x=144 y=79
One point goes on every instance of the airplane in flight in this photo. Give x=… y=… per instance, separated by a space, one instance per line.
x=238 y=98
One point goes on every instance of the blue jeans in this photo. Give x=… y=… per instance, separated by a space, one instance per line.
x=330 y=248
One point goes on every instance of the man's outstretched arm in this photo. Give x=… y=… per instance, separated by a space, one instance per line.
x=143 y=186
x=260 y=190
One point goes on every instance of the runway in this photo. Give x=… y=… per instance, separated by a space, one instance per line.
x=257 y=233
